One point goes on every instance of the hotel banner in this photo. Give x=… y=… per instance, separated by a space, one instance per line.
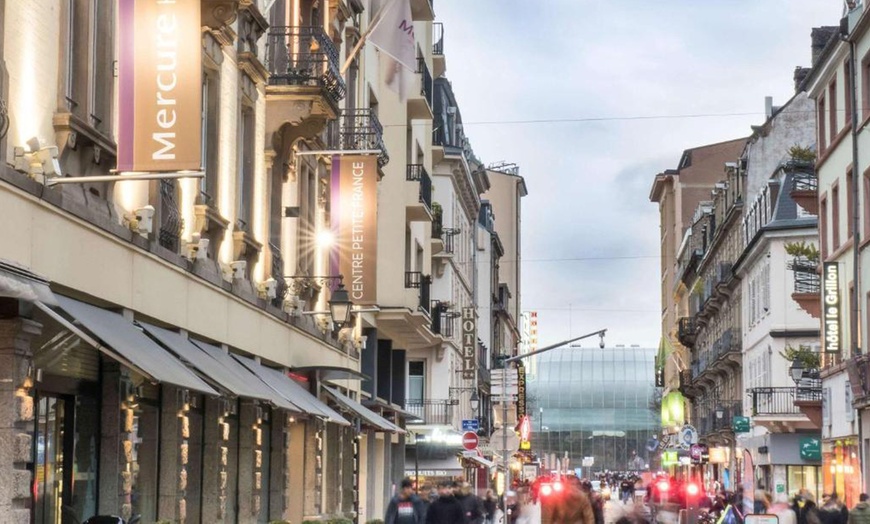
x=159 y=85
x=354 y=213
x=831 y=310
x=469 y=343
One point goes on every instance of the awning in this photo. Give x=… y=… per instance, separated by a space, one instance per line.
x=368 y=416
x=292 y=391
x=329 y=373
x=236 y=379
x=20 y=283
x=134 y=345
x=379 y=404
x=480 y=460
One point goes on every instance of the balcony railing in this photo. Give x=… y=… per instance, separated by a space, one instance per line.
x=417 y=173
x=437 y=223
x=304 y=56
x=425 y=302
x=806 y=277
x=413 y=279
x=171 y=222
x=449 y=234
x=686 y=331
x=278 y=274
x=431 y=411
x=708 y=421
x=805 y=181
x=360 y=130
x=425 y=80
x=438 y=38
x=781 y=401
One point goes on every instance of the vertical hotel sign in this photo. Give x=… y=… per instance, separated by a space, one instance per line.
x=469 y=343
x=521 y=390
x=831 y=309
x=159 y=85
x=354 y=213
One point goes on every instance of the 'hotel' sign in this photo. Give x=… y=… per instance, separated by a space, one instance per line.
x=831 y=310
x=469 y=343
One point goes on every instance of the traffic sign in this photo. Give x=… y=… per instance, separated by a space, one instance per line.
x=497 y=441
x=470 y=440
x=470 y=425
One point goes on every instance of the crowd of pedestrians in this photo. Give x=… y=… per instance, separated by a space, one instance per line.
x=451 y=502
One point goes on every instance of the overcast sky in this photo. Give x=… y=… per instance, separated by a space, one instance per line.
x=589 y=182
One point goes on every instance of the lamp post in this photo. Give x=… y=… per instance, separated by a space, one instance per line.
x=557 y=345
x=797 y=371
x=340 y=306
x=475 y=403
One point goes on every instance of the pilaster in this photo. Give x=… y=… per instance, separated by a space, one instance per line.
x=174 y=432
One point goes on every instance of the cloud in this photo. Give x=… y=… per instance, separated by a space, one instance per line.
x=589 y=181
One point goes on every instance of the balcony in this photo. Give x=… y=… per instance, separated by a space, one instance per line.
x=709 y=423
x=804 y=185
x=169 y=234
x=724 y=352
x=277 y=272
x=410 y=322
x=437 y=230
x=439 y=65
x=431 y=412
x=501 y=298
x=859 y=379
x=304 y=78
x=360 y=130
x=420 y=100
x=779 y=409
x=420 y=210
x=422 y=10
x=450 y=234
x=686 y=331
x=807 y=285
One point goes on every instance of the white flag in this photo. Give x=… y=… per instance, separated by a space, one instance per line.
x=394 y=34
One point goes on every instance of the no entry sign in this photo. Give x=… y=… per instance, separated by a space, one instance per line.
x=469 y=440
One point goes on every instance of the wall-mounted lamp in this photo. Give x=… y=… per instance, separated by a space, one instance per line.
x=475 y=401
x=340 y=305
x=796 y=370
x=720 y=412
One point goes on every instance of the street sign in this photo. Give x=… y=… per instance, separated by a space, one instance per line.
x=470 y=425
x=470 y=440
x=688 y=436
x=588 y=462
x=497 y=441
x=740 y=424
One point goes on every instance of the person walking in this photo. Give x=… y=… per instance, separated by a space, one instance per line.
x=783 y=512
x=860 y=514
x=471 y=504
x=490 y=503
x=805 y=508
x=406 y=507
x=572 y=507
x=833 y=511
x=445 y=509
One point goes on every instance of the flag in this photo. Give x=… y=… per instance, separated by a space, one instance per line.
x=394 y=35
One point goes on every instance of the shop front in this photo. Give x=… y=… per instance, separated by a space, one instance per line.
x=841 y=469
x=786 y=463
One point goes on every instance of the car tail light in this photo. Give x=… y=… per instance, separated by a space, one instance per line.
x=664 y=485
x=546 y=490
x=692 y=489
x=557 y=486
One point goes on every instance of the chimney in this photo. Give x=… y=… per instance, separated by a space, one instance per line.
x=768 y=107
x=800 y=74
x=820 y=37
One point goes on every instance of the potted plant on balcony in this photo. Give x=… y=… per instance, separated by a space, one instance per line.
x=803 y=358
x=800 y=158
x=806 y=256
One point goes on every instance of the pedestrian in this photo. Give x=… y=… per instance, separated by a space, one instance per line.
x=762 y=502
x=860 y=514
x=572 y=506
x=833 y=511
x=805 y=508
x=783 y=512
x=490 y=503
x=471 y=503
x=445 y=509
x=406 y=507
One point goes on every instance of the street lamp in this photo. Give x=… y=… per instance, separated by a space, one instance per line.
x=340 y=306
x=797 y=370
x=475 y=402
x=720 y=412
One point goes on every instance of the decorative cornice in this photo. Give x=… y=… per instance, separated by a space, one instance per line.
x=218 y=16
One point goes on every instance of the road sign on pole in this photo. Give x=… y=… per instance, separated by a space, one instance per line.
x=470 y=425
x=470 y=440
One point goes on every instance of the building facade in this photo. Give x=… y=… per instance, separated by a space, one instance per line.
x=170 y=351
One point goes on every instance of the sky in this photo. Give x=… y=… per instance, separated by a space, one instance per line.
x=590 y=250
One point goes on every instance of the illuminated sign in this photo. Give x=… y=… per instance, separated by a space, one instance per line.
x=521 y=390
x=469 y=343
x=159 y=85
x=831 y=307
x=354 y=210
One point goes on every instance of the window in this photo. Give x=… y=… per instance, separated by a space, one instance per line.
x=850 y=204
x=87 y=61
x=210 y=118
x=847 y=85
x=416 y=382
x=832 y=98
x=820 y=118
x=835 y=216
x=245 y=177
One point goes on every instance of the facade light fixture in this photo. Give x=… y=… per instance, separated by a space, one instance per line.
x=796 y=370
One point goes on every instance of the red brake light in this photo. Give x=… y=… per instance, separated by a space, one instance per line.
x=557 y=486
x=546 y=490
x=692 y=489
x=664 y=485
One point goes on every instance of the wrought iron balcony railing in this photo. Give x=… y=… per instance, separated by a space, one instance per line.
x=686 y=331
x=278 y=274
x=425 y=302
x=781 y=401
x=171 y=222
x=806 y=276
x=304 y=56
x=437 y=224
x=358 y=130
x=414 y=279
x=438 y=38
x=431 y=411
x=450 y=234
x=425 y=80
x=417 y=173
x=805 y=181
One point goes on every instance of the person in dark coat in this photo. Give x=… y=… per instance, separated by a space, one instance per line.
x=805 y=508
x=445 y=509
x=471 y=504
x=406 y=507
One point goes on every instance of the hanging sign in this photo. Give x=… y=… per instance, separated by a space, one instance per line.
x=831 y=311
x=469 y=343
x=159 y=85
x=354 y=212
x=521 y=390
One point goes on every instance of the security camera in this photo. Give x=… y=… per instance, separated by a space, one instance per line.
x=145 y=220
x=268 y=288
x=239 y=267
x=601 y=342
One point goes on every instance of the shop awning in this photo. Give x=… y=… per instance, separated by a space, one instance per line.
x=368 y=416
x=20 y=283
x=379 y=404
x=237 y=380
x=481 y=461
x=134 y=345
x=292 y=391
x=329 y=373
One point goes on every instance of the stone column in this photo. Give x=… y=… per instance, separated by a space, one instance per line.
x=247 y=488
x=313 y=468
x=115 y=483
x=215 y=459
x=16 y=416
x=279 y=474
x=174 y=432
x=296 y=460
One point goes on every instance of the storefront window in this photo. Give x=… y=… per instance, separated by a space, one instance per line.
x=143 y=468
x=841 y=470
x=800 y=477
x=266 y=448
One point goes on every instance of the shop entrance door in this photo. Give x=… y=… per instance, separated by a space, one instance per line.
x=51 y=472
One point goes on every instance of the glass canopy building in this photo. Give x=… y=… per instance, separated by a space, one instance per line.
x=593 y=402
